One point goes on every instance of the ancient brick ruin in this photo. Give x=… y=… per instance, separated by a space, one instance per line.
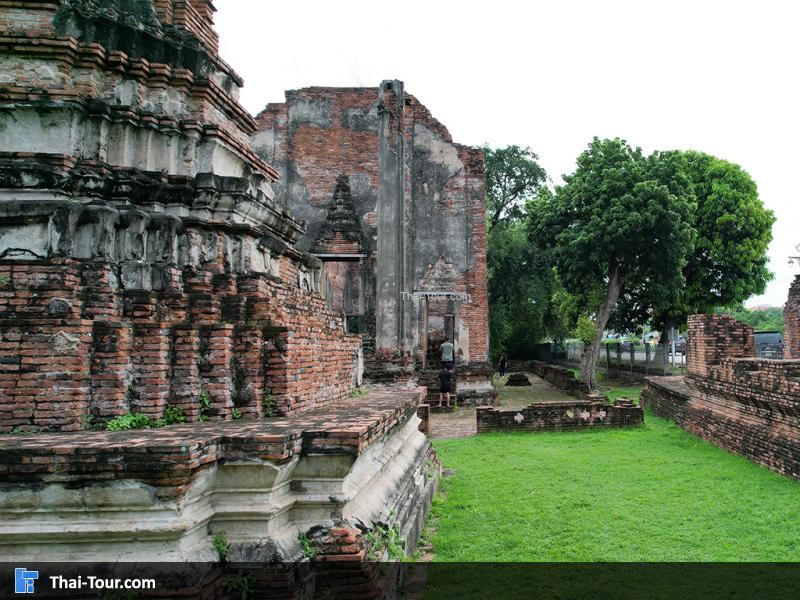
x=791 y=319
x=395 y=209
x=731 y=398
x=574 y=415
x=561 y=377
x=148 y=268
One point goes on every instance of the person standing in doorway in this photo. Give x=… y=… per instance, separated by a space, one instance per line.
x=448 y=351
x=445 y=385
x=503 y=364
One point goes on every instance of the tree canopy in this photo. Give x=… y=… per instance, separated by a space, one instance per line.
x=521 y=286
x=513 y=177
x=734 y=230
x=622 y=223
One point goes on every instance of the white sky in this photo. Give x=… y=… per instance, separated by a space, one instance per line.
x=711 y=75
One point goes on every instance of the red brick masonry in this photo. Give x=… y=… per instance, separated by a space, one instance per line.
x=560 y=377
x=77 y=350
x=791 y=318
x=730 y=398
x=172 y=457
x=560 y=416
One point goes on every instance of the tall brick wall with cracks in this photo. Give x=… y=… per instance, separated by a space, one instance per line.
x=418 y=199
x=147 y=268
x=729 y=397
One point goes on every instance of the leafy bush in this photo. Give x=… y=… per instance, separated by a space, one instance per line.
x=172 y=415
x=268 y=405
x=306 y=546
x=384 y=541
x=243 y=584
x=128 y=421
x=205 y=405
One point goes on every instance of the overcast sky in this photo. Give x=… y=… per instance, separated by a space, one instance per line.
x=716 y=76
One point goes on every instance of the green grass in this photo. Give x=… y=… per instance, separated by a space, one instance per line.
x=653 y=493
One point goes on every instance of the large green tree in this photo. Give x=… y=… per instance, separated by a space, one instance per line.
x=521 y=282
x=520 y=275
x=513 y=177
x=761 y=319
x=621 y=223
x=729 y=262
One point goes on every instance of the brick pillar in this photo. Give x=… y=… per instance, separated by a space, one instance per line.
x=714 y=337
x=151 y=368
x=791 y=318
x=99 y=291
x=389 y=285
x=277 y=365
x=185 y=383
x=216 y=352
x=110 y=368
x=248 y=371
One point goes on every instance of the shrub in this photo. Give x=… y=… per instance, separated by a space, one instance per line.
x=128 y=421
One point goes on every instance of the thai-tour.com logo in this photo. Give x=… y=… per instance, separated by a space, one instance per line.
x=25 y=582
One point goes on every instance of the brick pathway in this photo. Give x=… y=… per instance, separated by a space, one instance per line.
x=461 y=422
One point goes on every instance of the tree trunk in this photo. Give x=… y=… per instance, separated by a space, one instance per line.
x=669 y=323
x=603 y=314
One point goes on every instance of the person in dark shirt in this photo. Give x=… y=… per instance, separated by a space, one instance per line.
x=445 y=384
x=503 y=364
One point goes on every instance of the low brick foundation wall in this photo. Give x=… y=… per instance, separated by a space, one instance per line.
x=744 y=404
x=561 y=377
x=666 y=397
x=742 y=409
x=163 y=494
x=560 y=416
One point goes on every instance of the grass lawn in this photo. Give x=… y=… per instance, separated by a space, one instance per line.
x=653 y=493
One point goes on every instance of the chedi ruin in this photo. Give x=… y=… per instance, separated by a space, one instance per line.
x=169 y=259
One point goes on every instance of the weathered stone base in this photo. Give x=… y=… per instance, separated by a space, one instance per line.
x=162 y=495
x=518 y=380
x=475 y=387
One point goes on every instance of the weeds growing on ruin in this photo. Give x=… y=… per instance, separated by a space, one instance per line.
x=384 y=542
x=358 y=392
x=128 y=421
x=204 y=401
x=222 y=546
x=306 y=547
x=243 y=585
x=172 y=415
x=268 y=405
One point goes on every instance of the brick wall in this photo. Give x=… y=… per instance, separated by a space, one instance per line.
x=76 y=350
x=561 y=377
x=732 y=399
x=320 y=134
x=714 y=337
x=667 y=397
x=560 y=416
x=791 y=319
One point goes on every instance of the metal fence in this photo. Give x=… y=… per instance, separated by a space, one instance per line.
x=773 y=351
x=619 y=358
